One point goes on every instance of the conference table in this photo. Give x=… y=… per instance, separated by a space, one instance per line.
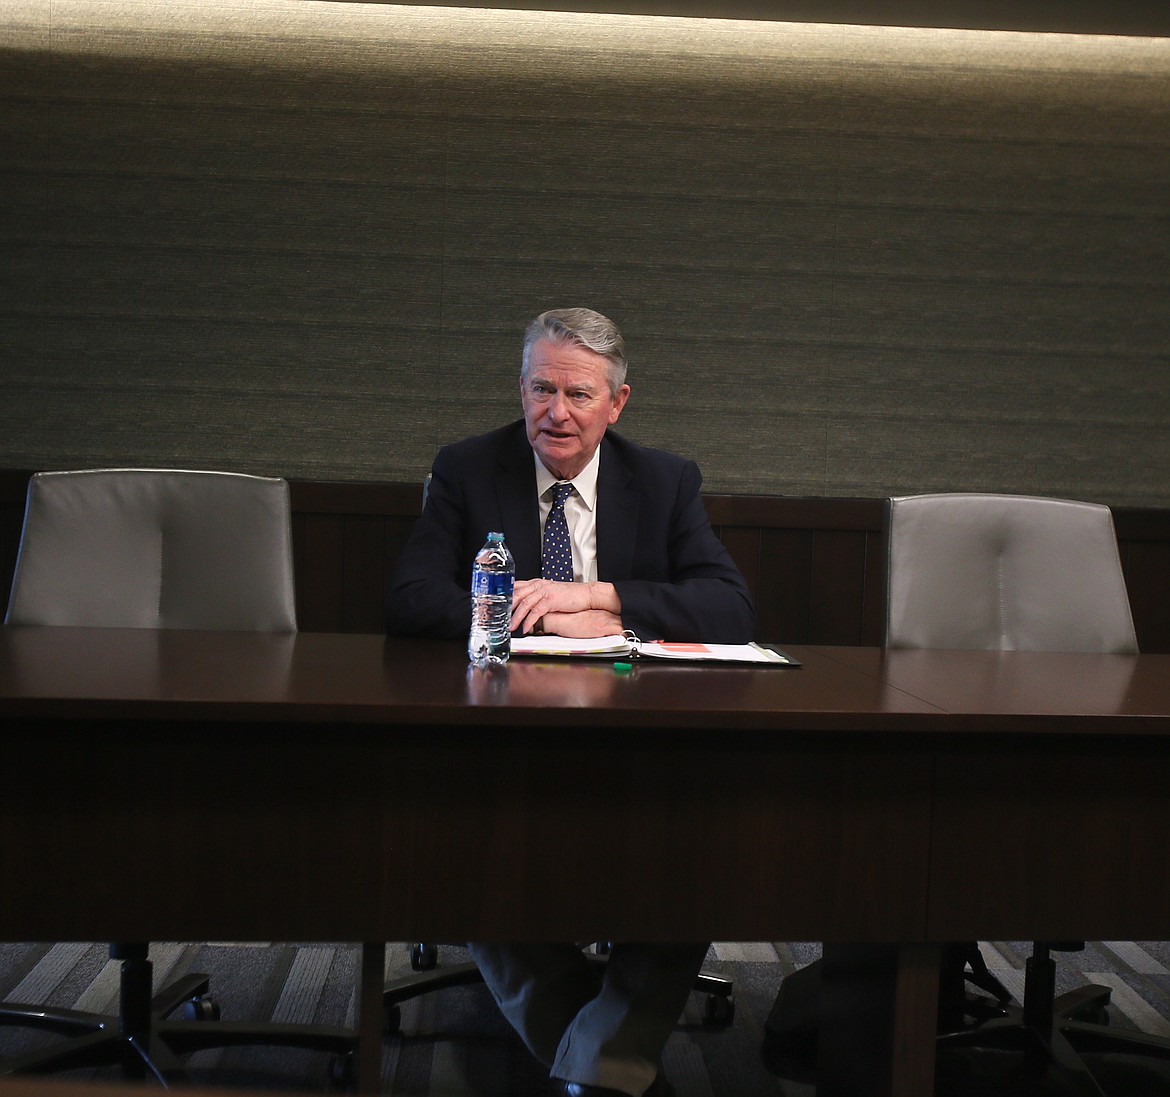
x=175 y=785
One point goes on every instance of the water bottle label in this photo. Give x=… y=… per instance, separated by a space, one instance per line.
x=492 y=585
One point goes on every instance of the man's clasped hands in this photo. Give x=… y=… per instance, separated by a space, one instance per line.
x=544 y=607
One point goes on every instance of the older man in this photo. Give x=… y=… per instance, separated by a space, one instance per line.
x=607 y=535
x=643 y=553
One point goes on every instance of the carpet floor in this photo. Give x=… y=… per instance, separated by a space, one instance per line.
x=453 y=1043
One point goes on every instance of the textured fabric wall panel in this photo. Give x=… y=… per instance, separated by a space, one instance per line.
x=304 y=238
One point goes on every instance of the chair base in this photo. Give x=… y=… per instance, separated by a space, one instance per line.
x=718 y=1006
x=1052 y=1033
x=143 y=1040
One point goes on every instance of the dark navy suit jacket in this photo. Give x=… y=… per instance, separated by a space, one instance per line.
x=654 y=542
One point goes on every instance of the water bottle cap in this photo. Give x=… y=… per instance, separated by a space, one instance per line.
x=495 y=536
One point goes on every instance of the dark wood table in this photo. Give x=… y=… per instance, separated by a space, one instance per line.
x=203 y=786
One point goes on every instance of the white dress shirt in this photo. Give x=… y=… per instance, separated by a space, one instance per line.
x=580 y=514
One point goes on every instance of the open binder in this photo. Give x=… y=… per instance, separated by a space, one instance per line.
x=627 y=646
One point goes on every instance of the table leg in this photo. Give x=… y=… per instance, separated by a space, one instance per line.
x=371 y=980
x=878 y=1020
x=915 y=1019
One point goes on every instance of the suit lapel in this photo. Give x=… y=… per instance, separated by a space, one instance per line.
x=617 y=516
x=515 y=482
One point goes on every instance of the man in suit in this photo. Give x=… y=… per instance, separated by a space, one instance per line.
x=643 y=558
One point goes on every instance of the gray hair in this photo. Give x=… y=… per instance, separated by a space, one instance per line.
x=586 y=328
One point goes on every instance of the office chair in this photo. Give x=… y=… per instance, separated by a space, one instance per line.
x=718 y=1005
x=136 y=548
x=1003 y=572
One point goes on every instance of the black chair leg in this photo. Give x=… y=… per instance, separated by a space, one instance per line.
x=1052 y=1032
x=143 y=1040
x=125 y=1039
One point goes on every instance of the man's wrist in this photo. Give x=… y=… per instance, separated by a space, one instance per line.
x=604 y=596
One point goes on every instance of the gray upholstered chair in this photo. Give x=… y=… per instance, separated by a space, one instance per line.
x=138 y=548
x=1005 y=572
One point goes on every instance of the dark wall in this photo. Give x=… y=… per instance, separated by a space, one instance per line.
x=850 y=261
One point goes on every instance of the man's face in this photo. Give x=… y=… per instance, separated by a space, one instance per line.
x=568 y=405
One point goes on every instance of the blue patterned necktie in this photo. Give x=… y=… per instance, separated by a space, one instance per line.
x=556 y=551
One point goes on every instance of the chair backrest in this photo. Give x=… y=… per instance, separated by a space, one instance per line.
x=1005 y=572
x=151 y=548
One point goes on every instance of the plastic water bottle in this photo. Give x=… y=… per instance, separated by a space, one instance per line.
x=492 y=578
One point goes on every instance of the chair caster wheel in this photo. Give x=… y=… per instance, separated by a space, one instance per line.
x=718 y=1009
x=391 y=1020
x=342 y=1072
x=1094 y=1015
x=423 y=957
x=201 y=1009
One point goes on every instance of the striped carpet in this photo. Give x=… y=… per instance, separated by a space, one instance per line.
x=454 y=1044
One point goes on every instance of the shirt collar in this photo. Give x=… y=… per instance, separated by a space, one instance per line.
x=585 y=481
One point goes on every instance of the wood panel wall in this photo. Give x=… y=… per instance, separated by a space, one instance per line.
x=816 y=567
